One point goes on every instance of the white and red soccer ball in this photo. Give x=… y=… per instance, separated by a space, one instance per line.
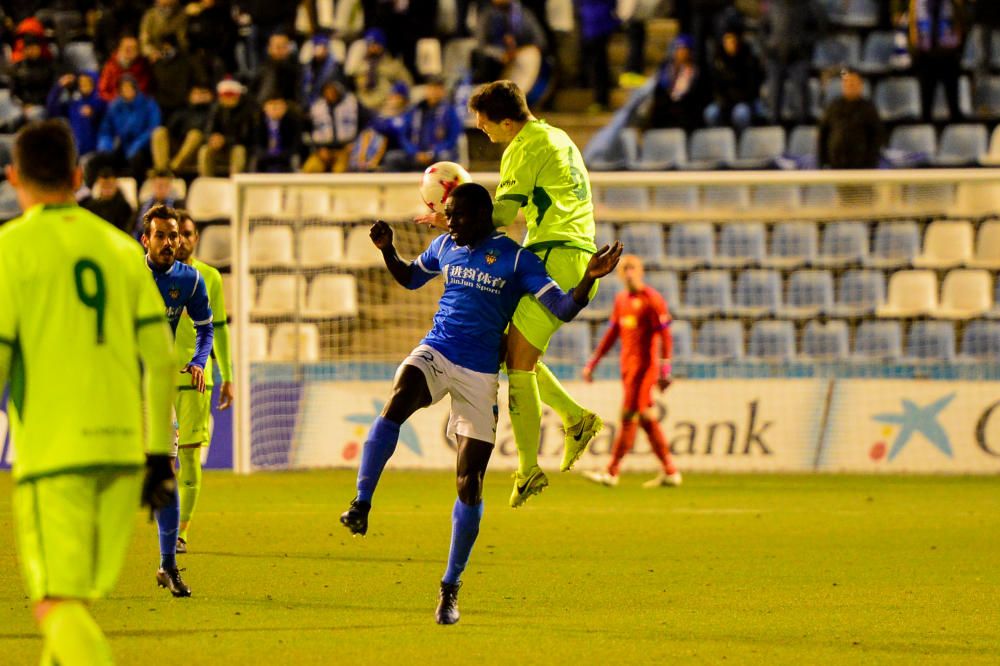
x=438 y=182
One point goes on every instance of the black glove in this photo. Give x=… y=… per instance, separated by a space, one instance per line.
x=159 y=488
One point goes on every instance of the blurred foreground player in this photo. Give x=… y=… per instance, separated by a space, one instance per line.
x=640 y=318
x=485 y=274
x=78 y=311
x=182 y=288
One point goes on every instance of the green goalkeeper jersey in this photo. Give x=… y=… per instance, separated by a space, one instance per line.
x=185 y=337
x=543 y=172
x=79 y=311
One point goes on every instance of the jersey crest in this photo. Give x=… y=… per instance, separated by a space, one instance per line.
x=492 y=255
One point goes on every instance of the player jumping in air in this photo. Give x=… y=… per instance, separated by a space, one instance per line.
x=485 y=275
x=194 y=409
x=640 y=319
x=182 y=288
x=77 y=311
x=542 y=171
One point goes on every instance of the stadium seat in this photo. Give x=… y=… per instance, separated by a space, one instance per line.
x=803 y=143
x=625 y=149
x=856 y=13
x=645 y=240
x=711 y=148
x=625 y=198
x=402 y=203
x=772 y=341
x=277 y=296
x=661 y=149
x=992 y=158
x=962 y=145
x=680 y=333
x=357 y=204
x=10 y=111
x=819 y=197
x=331 y=296
x=911 y=294
x=315 y=203
x=210 y=199
x=359 y=251
x=930 y=341
x=321 y=246
x=271 y=247
x=912 y=145
x=570 y=344
x=178 y=188
x=975 y=200
x=759 y=147
x=80 y=56
x=725 y=196
x=837 y=51
x=878 y=341
x=706 y=293
x=6 y=149
x=740 y=245
x=986 y=103
x=456 y=59
x=898 y=98
x=987 y=246
x=896 y=244
x=757 y=294
x=793 y=244
x=600 y=307
x=215 y=247
x=947 y=243
x=720 y=341
x=965 y=293
x=257 y=342
x=825 y=341
x=129 y=191
x=295 y=342
x=428 y=57
x=666 y=285
x=810 y=293
x=793 y=101
x=684 y=197
x=605 y=234
x=940 y=111
x=9 y=207
x=981 y=341
x=842 y=244
x=689 y=246
x=877 y=52
x=859 y=293
x=775 y=197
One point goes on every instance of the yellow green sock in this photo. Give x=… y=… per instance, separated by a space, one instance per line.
x=189 y=482
x=72 y=636
x=555 y=396
x=525 y=417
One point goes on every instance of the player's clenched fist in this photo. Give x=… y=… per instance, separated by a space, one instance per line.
x=381 y=235
x=159 y=487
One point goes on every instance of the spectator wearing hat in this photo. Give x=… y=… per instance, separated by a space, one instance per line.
x=678 y=96
x=175 y=144
x=278 y=137
x=337 y=119
x=230 y=129
x=123 y=139
x=165 y=17
x=74 y=97
x=106 y=200
x=32 y=78
x=322 y=67
x=432 y=129
x=163 y=193
x=790 y=30
x=124 y=61
x=736 y=79
x=851 y=134
x=504 y=27
x=280 y=73
x=378 y=73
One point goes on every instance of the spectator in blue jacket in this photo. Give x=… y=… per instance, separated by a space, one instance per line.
x=321 y=68
x=598 y=21
x=393 y=125
x=123 y=140
x=434 y=128
x=74 y=97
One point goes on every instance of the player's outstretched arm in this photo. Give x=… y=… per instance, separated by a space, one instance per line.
x=601 y=263
x=381 y=235
x=565 y=305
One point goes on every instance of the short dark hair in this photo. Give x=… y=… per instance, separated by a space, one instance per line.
x=45 y=154
x=158 y=212
x=474 y=193
x=105 y=172
x=499 y=101
x=184 y=215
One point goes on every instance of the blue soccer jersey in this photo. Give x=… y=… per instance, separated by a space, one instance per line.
x=482 y=286
x=182 y=287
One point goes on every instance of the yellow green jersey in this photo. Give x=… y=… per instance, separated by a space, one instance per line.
x=79 y=311
x=184 y=342
x=543 y=172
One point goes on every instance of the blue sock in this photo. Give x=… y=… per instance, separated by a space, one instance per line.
x=379 y=447
x=464 y=530
x=168 y=520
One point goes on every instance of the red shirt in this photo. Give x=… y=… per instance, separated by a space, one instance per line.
x=639 y=319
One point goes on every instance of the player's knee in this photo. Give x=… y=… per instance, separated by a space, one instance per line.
x=470 y=488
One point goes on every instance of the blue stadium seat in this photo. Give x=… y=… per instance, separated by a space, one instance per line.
x=570 y=344
x=981 y=341
x=626 y=198
x=898 y=98
x=645 y=240
x=606 y=234
x=684 y=197
x=987 y=98
x=600 y=307
x=793 y=244
x=877 y=52
x=725 y=196
x=810 y=293
x=819 y=196
x=793 y=102
x=690 y=245
x=757 y=294
x=912 y=145
x=940 y=110
x=962 y=144
x=772 y=341
x=775 y=197
x=720 y=340
x=878 y=341
x=680 y=331
x=827 y=341
x=931 y=341
x=661 y=149
x=802 y=144
x=855 y=13
x=665 y=283
x=759 y=147
x=711 y=148
x=706 y=293
x=740 y=245
x=896 y=244
x=860 y=292
x=842 y=244
x=837 y=51
x=624 y=150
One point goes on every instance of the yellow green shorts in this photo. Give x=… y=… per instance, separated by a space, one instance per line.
x=73 y=530
x=566 y=266
x=194 y=416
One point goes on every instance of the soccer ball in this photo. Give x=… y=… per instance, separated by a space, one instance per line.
x=439 y=180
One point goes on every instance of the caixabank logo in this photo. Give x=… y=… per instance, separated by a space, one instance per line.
x=914 y=423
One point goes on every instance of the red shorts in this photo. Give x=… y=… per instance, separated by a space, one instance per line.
x=638 y=384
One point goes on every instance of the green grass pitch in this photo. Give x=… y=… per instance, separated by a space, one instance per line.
x=726 y=569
